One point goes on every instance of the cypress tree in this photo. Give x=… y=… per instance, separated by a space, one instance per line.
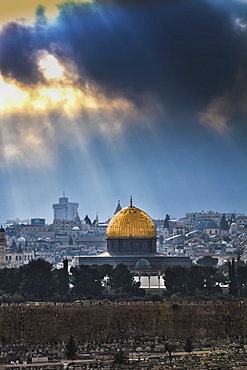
x=71 y=348
x=188 y=346
x=166 y=222
x=232 y=278
x=223 y=223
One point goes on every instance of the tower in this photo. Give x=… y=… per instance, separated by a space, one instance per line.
x=118 y=208
x=65 y=210
x=2 y=248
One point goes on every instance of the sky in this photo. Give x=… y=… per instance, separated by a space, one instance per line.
x=104 y=100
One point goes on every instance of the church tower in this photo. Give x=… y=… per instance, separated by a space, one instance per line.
x=2 y=248
x=118 y=208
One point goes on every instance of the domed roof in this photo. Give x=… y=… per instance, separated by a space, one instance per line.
x=131 y=222
x=208 y=224
x=21 y=240
x=142 y=263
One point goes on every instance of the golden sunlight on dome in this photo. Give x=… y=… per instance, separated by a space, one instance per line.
x=131 y=222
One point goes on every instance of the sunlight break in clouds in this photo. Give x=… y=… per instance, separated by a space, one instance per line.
x=59 y=91
x=29 y=134
x=50 y=66
x=11 y=96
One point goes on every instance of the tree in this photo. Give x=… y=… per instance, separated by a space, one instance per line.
x=232 y=278
x=10 y=279
x=223 y=223
x=194 y=278
x=170 y=347
x=86 y=281
x=106 y=270
x=166 y=222
x=241 y=276
x=88 y=221
x=188 y=345
x=61 y=280
x=207 y=261
x=123 y=280
x=120 y=357
x=175 y=279
x=70 y=240
x=156 y=297
x=37 y=280
x=71 y=348
x=185 y=280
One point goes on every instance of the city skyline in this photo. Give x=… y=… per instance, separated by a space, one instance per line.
x=104 y=100
x=209 y=214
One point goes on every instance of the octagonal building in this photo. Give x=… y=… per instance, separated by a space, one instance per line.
x=131 y=238
x=131 y=231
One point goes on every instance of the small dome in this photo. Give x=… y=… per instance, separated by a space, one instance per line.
x=142 y=263
x=211 y=225
x=131 y=222
x=21 y=240
x=207 y=225
x=76 y=228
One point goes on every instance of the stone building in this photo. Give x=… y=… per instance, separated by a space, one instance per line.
x=209 y=227
x=131 y=237
x=17 y=259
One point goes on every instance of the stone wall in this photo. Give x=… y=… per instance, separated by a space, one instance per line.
x=88 y=321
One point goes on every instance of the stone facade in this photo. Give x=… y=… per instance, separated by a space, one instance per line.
x=37 y=323
x=131 y=246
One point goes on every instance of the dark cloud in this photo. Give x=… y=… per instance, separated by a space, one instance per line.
x=18 y=54
x=182 y=52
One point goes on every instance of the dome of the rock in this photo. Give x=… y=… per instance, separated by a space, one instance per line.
x=131 y=222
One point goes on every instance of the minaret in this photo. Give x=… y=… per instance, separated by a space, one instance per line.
x=77 y=220
x=96 y=221
x=2 y=248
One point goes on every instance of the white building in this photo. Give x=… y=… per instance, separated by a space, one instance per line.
x=65 y=210
x=17 y=259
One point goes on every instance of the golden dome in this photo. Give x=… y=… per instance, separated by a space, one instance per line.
x=131 y=222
